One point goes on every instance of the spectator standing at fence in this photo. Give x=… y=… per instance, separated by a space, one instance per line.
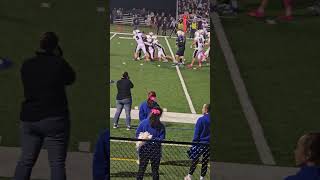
x=159 y=23
x=201 y=135
x=146 y=106
x=164 y=26
x=260 y=12
x=307 y=156
x=173 y=25
x=151 y=150
x=44 y=114
x=123 y=100
x=135 y=22
x=101 y=157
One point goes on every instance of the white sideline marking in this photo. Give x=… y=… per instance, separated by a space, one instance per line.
x=130 y=38
x=84 y=147
x=193 y=111
x=247 y=107
x=113 y=36
x=166 y=116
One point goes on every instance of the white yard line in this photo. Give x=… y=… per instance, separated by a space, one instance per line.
x=129 y=38
x=166 y=116
x=247 y=107
x=113 y=36
x=184 y=87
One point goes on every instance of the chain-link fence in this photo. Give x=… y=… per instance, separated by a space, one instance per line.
x=150 y=159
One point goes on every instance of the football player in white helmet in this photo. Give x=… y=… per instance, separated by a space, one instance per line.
x=199 y=44
x=138 y=36
x=150 y=47
x=161 y=55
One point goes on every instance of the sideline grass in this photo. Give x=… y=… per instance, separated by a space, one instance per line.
x=279 y=65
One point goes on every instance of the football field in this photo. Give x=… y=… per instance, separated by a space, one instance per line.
x=160 y=77
x=179 y=90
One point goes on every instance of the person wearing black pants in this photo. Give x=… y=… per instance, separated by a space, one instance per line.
x=45 y=115
x=151 y=150
x=159 y=24
x=201 y=149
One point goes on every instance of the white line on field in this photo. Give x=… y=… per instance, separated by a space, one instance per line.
x=247 y=107
x=193 y=111
x=130 y=38
x=113 y=36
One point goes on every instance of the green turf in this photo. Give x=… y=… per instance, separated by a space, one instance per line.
x=151 y=77
x=232 y=140
x=81 y=36
x=174 y=131
x=279 y=65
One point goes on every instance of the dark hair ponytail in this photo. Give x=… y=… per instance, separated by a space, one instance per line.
x=312 y=147
x=154 y=117
x=125 y=75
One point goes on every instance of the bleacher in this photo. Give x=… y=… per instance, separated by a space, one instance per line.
x=127 y=19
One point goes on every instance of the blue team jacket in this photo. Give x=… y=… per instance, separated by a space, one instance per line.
x=101 y=158
x=158 y=134
x=202 y=129
x=144 y=110
x=306 y=173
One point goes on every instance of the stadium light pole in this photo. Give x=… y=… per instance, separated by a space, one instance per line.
x=177 y=11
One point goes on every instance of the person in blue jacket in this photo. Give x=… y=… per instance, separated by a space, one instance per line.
x=101 y=158
x=5 y=63
x=307 y=156
x=201 y=135
x=151 y=150
x=146 y=106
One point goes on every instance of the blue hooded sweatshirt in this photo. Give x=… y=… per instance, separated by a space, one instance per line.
x=101 y=158
x=157 y=134
x=202 y=129
x=306 y=173
x=144 y=110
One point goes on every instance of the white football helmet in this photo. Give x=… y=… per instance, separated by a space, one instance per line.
x=151 y=33
x=155 y=37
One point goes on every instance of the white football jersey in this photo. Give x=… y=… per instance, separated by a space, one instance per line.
x=138 y=38
x=200 y=42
